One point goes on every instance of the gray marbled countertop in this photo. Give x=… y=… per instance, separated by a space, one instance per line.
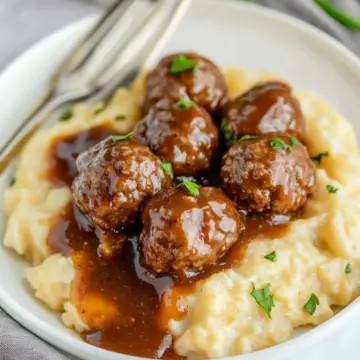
x=24 y=22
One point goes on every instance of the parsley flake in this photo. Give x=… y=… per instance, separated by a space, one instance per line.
x=12 y=181
x=66 y=115
x=279 y=144
x=294 y=141
x=182 y=63
x=99 y=108
x=167 y=167
x=248 y=138
x=192 y=187
x=263 y=298
x=183 y=103
x=318 y=157
x=331 y=189
x=272 y=256
x=120 y=117
x=122 y=137
x=348 y=268
x=229 y=137
x=311 y=304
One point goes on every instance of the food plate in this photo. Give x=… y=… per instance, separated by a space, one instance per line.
x=230 y=33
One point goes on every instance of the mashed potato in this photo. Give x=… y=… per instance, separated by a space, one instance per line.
x=223 y=318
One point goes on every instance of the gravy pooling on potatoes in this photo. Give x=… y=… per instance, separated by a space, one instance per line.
x=126 y=305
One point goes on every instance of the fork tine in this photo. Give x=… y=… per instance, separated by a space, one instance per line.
x=142 y=51
x=148 y=40
x=114 y=14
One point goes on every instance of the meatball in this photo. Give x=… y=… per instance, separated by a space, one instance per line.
x=182 y=231
x=186 y=137
x=272 y=173
x=180 y=74
x=267 y=107
x=115 y=177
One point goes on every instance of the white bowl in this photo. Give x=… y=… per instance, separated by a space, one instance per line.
x=230 y=33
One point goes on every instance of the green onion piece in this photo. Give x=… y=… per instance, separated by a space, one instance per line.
x=120 y=117
x=348 y=269
x=279 y=144
x=294 y=141
x=248 y=138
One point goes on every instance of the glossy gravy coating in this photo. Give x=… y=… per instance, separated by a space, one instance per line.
x=128 y=305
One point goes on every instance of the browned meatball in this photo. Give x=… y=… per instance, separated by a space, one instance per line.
x=186 y=137
x=182 y=231
x=201 y=80
x=114 y=178
x=272 y=173
x=267 y=107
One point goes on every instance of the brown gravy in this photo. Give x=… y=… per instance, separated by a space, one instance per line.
x=126 y=304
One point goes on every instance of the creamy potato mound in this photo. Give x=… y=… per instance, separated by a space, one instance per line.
x=223 y=318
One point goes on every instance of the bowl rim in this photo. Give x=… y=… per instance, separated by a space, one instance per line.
x=77 y=347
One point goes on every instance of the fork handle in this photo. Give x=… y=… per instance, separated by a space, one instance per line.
x=50 y=102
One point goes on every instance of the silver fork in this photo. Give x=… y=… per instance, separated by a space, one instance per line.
x=91 y=73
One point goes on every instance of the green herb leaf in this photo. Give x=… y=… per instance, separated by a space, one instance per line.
x=311 y=304
x=339 y=15
x=348 y=268
x=272 y=256
x=229 y=137
x=182 y=63
x=99 y=108
x=331 y=189
x=66 y=115
x=192 y=187
x=122 y=137
x=294 y=141
x=263 y=298
x=12 y=181
x=167 y=167
x=183 y=103
x=279 y=144
x=120 y=117
x=248 y=138
x=318 y=157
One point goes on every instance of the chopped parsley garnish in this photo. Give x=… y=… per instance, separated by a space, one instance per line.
x=348 y=268
x=331 y=189
x=311 y=304
x=318 y=157
x=66 y=115
x=272 y=256
x=229 y=137
x=279 y=144
x=182 y=63
x=294 y=141
x=183 y=103
x=263 y=298
x=341 y=16
x=192 y=187
x=99 y=108
x=122 y=137
x=12 y=181
x=248 y=138
x=167 y=167
x=120 y=117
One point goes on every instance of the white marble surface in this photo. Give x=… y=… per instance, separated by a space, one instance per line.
x=23 y=22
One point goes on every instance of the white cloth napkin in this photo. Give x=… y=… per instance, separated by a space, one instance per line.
x=36 y=18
